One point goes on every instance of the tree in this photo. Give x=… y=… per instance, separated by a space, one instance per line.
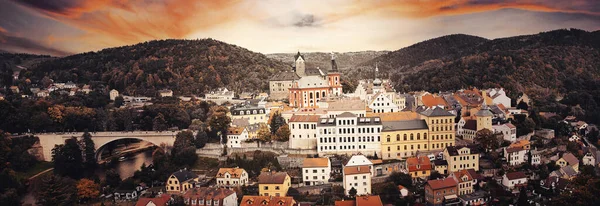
x=263 y=133
x=10 y=187
x=89 y=149
x=113 y=179
x=159 y=123
x=119 y=101
x=276 y=121
x=487 y=139
x=435 y=175
x=352 y=192
x=522 y=105
x=184 y=151
x=387 y=191
x=67 y=159
x=219 y=121
x=183 y=139
x=87 y=190
x=523 y=200
x=283 y=133
x=399 y=178
x=56 y=190
x=201 y=139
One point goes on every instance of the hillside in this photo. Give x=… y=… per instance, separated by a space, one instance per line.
x=10 y=63
x=185 y=66
x=344 y=60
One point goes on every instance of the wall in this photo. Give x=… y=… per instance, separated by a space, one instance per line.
x=215 y=150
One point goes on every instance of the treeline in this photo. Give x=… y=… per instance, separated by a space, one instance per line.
x=185 y=66
x=14 y=158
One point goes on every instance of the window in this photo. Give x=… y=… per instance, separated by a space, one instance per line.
x=404 y=137
x=266 y=187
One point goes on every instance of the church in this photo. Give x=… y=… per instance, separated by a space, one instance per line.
x=305 y=87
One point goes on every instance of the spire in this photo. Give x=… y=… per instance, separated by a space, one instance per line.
x=334 y=67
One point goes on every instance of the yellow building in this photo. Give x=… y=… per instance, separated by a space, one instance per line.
x=274 y=184
x=254 y=115
x=419 y=167
x=461 y=158
x=181 y=181
x=402 y=139
x=441 y=128
x=484 y=119
x=465 y=181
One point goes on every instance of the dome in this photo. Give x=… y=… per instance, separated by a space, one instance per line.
x=377 y=81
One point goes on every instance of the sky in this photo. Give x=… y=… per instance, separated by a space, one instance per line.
x=65 y=27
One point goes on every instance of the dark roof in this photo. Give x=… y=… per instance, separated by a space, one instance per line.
x=470 y=124
x=334 y=66
x=515 y=175
x=346 y=114
x=298 y=55
x=514 y=149
x=474 y=174
x=453 y=150
x=285 y=76
x=184 y=175
x=237 y=111
x=314 y=72
x=404 y=125
x=436 y=112
x=484 y=113
x=272 y=178
x=440 y=162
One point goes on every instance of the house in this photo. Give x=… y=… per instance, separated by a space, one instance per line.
x=441 y=166
x=568 y=159
x=357 y=178
x=86 y=89
x=441 y=190
x=498 y=96
x=248 y=200
x=235 y=136
x=360 y=160
x=462 y=157
x=280 y=83
x=402 y=139
x=160 y=200
x=525 y=144
x=555 y=184
x=514 y=179
x=440 y=125
x=181 y=181
x=14 y=89
x=210 y=196
x=508 y=131
x=515 y=156
x=382 y=103
x=419 y=167
x=464 y=181
x=479 y=197
x=592 y=157
x=349 y=134
x=220 y=94
x=274 y=184
x=536 y=157
x=232 y=177
x=113 y=94
x=165 y=93
x=42 y=93
x=370 y=200
x=126 y=195
x=566 y=172
x=303 y=129
x=254 y=114
x=316 y=171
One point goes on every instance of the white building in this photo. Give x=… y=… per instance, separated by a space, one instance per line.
x=113 y=94
x=220 y=94
x=232 y=177
x=360 y=160
x=515 y=156
x=508 y=130
x=210 y=196
x=514 y=179
x=536 y=157
x=316 y=171
x=165 y=93
x=498 y=96
x=303 y=129
x=349 y=134
x=383 y=103
x=357 y=177
x=235 y=136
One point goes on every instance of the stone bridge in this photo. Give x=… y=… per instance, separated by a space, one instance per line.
x=49 y=140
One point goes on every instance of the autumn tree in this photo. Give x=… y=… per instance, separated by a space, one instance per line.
x=159 y=123
x=87 y=190
x=283 y=133
x=68 y=159
x=89 y=151
x=219 y=121
x=487 y=139
x=276 y=121
x=263 y=133
x=184 y=151
x=119 y=101
x=352 y=192
x=57 y=191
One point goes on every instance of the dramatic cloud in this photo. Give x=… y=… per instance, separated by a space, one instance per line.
x=20 y=44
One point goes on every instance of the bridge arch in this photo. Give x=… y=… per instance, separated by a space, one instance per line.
x=100 y=148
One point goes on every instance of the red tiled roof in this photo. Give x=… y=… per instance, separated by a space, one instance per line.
x=367 y=200
x=304 y=118
x=352 y=170
x=234 y=172
x=515 y=175
x=442 y=183
x=208 y=193
x=315 y=162
x=272 y=178
x=160 y=200
x=431 y=100
x=235 y=130
x=423 y=164
x=248 y=200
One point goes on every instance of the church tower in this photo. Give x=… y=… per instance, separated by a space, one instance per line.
x=300 y=67
x=333 y=76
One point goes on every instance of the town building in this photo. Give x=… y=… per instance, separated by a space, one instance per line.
x=465 y=181
x=364 y=200
x=165 y=93
x=441 y=127
x=481 y=120
x=210 y=196
x=341 y=105
x=568 y=159
x=314 y=85
x=360 y=160
x=113 y=94
x=235 y=136
x=419 y=167
x=232 y=177
x=160 y=200
x=462 y=158
x=512 y=180
x=253 y=114
x=384 y=103
x=479 y=197
x=274 y=184
x=508 y=131
x=220 y=94
x=515 y=155
x=303 y=129
x=536 y=157
x=316 y=171
x=498 y=96
x=404 y=139
x=280 y=84
x=592 y=157
x=441 y=166
x=349 y=134
x=441 y=190
x=248 y=200
x=181 y=181
x=357 y=178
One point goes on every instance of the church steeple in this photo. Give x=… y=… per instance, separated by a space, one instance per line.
x=334 y=67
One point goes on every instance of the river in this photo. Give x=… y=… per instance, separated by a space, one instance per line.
x=127 y=167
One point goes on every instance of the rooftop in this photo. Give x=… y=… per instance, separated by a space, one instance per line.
x=208 y=193
x=272 y=177
x=442 y=183
x=436 y=112
x=515 y=175
x=404 y=125
x=315 y=162
x=234 y=172
x=353 y=170
x=304 y=118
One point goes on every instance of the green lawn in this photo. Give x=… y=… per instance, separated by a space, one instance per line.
x=37 y=168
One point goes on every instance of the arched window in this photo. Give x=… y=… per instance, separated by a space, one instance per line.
x=310 y=95
x=418 y=136
x=317 y=95
x=424 y=135
x=404 y=137
x=397 y=137
x=323 y=94
x=411 y=136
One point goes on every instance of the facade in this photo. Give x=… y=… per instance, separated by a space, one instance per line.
x=314 y=85
x=568 y=159
x=280 y=84
x=402 y=139
x=437 y=191
x=441 y=166
x=465 y=182
x=274 y=184
x=515 y=156
x=255 y=115
x=498 y=96
x=419 y=167
x=349 y=134
x=536 y=157
x=181 y=181
x=384 y=103
x=358 y=178
x=235 y=136
x=165 y=93
x=248 y=200
x=303 y=129
x=220 y=94
x=514 y=179
x=370 y=200
x=316 y=171
x=210 y=196
x=232 y=177
x=508 y=131
x=441 y=128
x=113 y=94
x=461 y=158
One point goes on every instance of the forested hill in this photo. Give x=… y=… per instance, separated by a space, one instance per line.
x=185 y=66
x=344 y=60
